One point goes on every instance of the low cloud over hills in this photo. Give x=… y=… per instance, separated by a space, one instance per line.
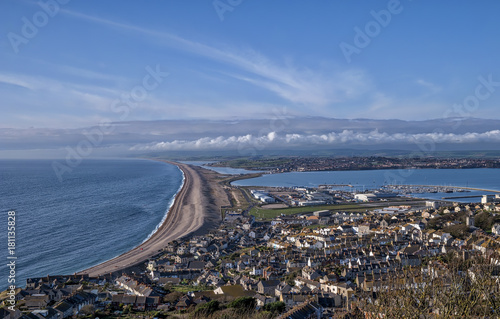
x=247 y=137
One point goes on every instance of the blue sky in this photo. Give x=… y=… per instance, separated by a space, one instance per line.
x=245 y=59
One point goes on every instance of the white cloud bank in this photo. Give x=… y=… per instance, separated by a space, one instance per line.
x=346 y=137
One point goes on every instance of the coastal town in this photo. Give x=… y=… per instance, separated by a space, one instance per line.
x=325 y=252
x=305 y=163
x=239 y=159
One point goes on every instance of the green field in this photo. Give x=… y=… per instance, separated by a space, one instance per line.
x=247 y=163
x=272 y=213
x=188 y=288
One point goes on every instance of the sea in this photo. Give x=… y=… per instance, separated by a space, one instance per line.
x=101 y=209
x=363 y=180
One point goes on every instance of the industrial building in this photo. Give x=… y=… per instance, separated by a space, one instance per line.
x=322 y=213
x=263 y=196
x=369 y=197
x=365 y=197
x=490 y=199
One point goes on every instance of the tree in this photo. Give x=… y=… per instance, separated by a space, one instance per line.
x=458 y=231
x=355 y=314
x=172 y=297
x=484 y=221
x=87 y=310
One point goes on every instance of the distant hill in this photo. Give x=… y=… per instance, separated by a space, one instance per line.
x=280 y=136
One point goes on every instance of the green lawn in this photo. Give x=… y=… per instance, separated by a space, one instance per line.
x=188 y=288
x=318 y=226
x=271 y=213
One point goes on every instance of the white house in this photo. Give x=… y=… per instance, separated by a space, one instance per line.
x=496 y=229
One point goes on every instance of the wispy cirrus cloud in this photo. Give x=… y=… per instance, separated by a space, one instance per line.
x=88 y=92
x=20 y=81
x=295 y=85
x=95 y=94
x=89 y=74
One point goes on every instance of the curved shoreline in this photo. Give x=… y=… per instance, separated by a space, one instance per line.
x=188 y=214
x=171 y=204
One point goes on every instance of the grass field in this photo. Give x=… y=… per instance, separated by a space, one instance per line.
x=187 y=288
x=272 y=213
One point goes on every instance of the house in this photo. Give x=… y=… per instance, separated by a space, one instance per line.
x=64 y=309
x=310 y=284
x=282 y=288
x=81 y=299
x=184 y=303
x=309 y=273
x=305 y=310
x=263 y=300
x=254 y=252
x=328 y=300
x=342 y=289
x=364 y=229
x=495 y=229
x=5 y=313
x=292 y=300
x=273 y=243
x=140 y=303
x=256 y=271
x=269 y=273
x=195 y=265
x=248 y=283
x=267 y=287
x=48 y=313
x=227 y=264
x=133 y=286
x=36 y=301
x=21 y=294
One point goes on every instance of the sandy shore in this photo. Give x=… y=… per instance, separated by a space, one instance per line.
x=196 y=210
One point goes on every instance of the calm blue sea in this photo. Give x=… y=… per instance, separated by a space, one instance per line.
x=100 y=210
x=486 y=178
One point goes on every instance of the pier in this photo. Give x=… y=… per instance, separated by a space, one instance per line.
x=456 y=197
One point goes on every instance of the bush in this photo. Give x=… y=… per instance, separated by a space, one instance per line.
x=275 y=307
x=243 y=304
x=127 y=309
x=207 y=309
